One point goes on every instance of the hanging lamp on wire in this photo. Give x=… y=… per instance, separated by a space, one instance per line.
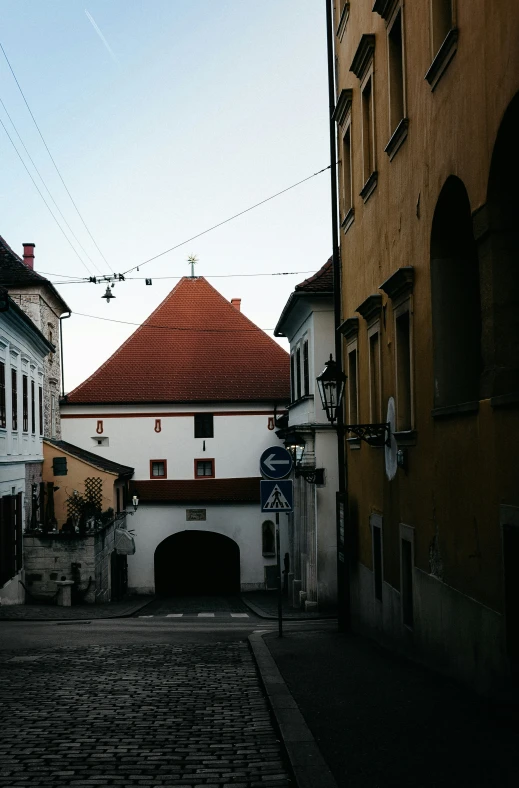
x=108 y=295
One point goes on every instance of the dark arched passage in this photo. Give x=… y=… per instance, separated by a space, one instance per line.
x=197 y=562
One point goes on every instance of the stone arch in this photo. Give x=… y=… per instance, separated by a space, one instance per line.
x=498 y=225
x=455 y=295
x=197 y=562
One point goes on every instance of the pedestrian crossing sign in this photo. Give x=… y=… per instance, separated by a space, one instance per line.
x=276 y=496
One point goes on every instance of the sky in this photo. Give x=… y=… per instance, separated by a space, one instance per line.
x=165 y=117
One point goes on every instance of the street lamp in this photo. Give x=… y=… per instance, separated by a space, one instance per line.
x=331 y=383
x=295 y=444
x=135 y=502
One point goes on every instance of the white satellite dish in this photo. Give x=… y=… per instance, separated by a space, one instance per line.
x=391 y=450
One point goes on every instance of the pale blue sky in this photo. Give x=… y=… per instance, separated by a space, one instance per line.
x=195 y=110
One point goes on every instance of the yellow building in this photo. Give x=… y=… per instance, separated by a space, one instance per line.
x=427 y=119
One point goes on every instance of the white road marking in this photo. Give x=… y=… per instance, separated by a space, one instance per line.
x=206 y=615
x=239 y=615
x=174 y=615
x=145 y=616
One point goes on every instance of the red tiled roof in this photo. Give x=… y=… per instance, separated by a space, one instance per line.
x=245 y=490
x=321 y=282
x=196 y=346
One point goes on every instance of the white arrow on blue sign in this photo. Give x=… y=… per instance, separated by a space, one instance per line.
x=275 y=462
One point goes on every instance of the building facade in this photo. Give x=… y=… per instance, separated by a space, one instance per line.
x=308 y=323
x=427 y=119
x=37 y=297
x=190 y=401
x=23 y=349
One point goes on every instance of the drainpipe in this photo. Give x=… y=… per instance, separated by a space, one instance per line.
x=62 y=317
x=342 y=512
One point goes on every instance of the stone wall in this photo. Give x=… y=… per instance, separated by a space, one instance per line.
x=33 y=475
x=83 y=559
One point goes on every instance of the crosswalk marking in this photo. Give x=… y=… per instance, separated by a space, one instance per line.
x=239 y=615
x=195 y=615
x=145 y=616
x=206 y=615
x=174 y=615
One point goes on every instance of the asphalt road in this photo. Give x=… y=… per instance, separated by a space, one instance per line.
x=146 y=701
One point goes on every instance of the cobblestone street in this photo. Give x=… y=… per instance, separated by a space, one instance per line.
x=141 y=715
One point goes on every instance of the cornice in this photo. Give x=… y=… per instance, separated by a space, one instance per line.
x=350 y=327
x=400 y=283
x=342 y=106
x=384 y=8
x=363 y=55
x=370 y=308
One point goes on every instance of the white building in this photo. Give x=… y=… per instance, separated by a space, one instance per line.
x=308 y=322
x=190 y=401
x=23 y=349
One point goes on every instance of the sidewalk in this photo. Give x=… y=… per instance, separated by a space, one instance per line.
x=379 y=720
x=265 y=605
x=34 y=612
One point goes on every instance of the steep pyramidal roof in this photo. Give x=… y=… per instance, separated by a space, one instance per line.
x=195 y=346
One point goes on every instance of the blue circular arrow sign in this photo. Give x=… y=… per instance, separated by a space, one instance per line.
x=275 y=462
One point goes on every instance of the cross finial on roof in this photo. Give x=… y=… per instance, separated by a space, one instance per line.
x=192 y=262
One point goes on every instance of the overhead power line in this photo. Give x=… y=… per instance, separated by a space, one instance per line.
x=46 y=187
x=101 y=280
x=43 y=198
x=51 y=156
x=225 y=221
x=173 y=328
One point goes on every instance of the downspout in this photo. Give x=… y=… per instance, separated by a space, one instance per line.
x=62 y=317
x=342 y=512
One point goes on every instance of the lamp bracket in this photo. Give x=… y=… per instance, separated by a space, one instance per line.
x=310 y=475
x=373 y=434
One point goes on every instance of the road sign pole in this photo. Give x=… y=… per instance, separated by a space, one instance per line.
x=280 y=586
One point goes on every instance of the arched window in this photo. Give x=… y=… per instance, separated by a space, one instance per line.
x=456 y=309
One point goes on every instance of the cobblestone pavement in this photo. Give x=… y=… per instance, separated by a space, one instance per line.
x=143 y=715
x=34 y=612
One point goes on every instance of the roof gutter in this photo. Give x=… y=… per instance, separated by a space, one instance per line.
x=62 y=317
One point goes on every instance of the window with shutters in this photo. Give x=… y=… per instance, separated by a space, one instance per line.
x=25 y=403
x=306 y=369
x=298 y=373
x=33 y=408
x=14 y=398
x=40 y=408
x=204 y=425
x=3 y=415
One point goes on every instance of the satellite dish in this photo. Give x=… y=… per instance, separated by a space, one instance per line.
x=391 y=450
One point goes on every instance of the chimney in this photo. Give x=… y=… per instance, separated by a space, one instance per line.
x=28 y=255
x=236 y=302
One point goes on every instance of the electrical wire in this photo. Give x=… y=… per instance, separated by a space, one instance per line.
x=43 y=198
x=46 y=187
x=100 y=280
x=225 y=221
x=51 y=156
x=173 y=328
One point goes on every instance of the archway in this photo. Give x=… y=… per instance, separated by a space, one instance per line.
x=455 y=293
x=197 y=562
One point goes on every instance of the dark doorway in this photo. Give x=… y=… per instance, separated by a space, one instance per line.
x=197 y=562
x=119 y=573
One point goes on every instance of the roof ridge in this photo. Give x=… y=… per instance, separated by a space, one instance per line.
x=323 y=271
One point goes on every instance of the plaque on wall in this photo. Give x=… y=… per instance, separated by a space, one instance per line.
x=195 y=514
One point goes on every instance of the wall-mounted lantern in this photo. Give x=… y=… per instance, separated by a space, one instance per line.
x=135 y=502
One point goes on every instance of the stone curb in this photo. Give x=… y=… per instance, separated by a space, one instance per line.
x=287 y=617
x=88 y=618
x=308 y=765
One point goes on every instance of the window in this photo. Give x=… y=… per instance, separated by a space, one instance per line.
x=395 y=51
x=368 y=136
x=403 y=370
x=441 y=23
x=14 y=398
x=40 y=408
x=3 y=415
x=33 y=408
x=268 y=538
x=406 y=574
x=53 y=415
x=353 y=393
x=59 y=466
x=204 y=427
x=292 y=378
x=204 y=469
x=25 y=403
x=347 y=173
x=306 y=369
x=158 y=469
x=298 y=373
x=376 y=535
x=374 y=376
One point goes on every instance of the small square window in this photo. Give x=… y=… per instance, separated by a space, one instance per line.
x=204 y=469
x=204 y=426
x=158 y=469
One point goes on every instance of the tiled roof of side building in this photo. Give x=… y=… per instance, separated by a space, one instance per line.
x=320 y=282
x=91 y=458
x=195 y=347
x=246 y=490
x=14 y=273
